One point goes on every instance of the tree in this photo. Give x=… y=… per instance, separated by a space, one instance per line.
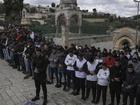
x=33 y=10
x=53 y=5
x=94 y=11
x=13 y=11
x=52 y=10
x=1 y=8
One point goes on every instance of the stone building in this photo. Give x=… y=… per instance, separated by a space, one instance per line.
x=35 y=13
x=124 y=36
x=66 y=15
x=116 y=40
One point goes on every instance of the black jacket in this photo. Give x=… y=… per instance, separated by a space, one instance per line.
x=130 y=81
x=39 y=63
x=115 y=72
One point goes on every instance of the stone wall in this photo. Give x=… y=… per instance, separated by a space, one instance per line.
x=102 y=41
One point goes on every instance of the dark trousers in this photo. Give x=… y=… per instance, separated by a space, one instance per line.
x=22 y=64
x=138 y=96
x=91 y=85
x=54 y=71
x=65 y=78
x=1 y=54
x=115 y=91
x=80 y=85
x=16 y=60
x=38 y=85
x=70 y=80
x=60 y=75
x=125 y=98
x=103 y=90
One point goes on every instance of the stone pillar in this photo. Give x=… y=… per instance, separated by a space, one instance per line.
x=57 y=31
x=65 y=33
x=79 y=29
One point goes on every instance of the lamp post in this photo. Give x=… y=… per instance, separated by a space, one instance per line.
x=138 y=8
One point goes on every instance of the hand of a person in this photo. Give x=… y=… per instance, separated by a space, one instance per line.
x=117 y=79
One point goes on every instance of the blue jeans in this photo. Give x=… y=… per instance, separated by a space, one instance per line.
x=54 y=71
x=28 y=66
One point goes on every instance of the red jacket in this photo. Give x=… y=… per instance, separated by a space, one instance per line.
x=109 y=61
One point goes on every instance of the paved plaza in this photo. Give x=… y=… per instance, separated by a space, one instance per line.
x=14 y=90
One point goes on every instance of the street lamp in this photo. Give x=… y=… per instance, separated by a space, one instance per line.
x=138 y=8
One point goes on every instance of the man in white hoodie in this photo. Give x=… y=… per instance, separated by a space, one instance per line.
x=102 y=83
x=70 y=72
x=91 y=78
x=80 y=74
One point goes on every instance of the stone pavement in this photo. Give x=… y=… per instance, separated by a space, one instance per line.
x=14 y=90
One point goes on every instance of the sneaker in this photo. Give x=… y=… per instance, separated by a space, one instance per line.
x=27 y=76
x=48 y=82
x=83 y=98
x=93 y=101
x=45 y=102
x=35 y=98
x=57 y=86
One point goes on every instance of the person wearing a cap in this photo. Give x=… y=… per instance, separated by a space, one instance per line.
x=39 y=68
x=129 y=86
x=102 y=83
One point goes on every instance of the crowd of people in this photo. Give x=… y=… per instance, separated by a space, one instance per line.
x=84 y=70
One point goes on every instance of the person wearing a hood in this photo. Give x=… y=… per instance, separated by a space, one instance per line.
x=129 y=86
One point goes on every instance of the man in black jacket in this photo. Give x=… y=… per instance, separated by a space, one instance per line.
x=115 y=83
x=39 y=63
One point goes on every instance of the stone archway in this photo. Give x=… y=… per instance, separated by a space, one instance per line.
x=61 y=21
x=119 y=43
x=74 y=24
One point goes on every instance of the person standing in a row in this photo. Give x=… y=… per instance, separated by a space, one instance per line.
x=138 y=87
x=80 y=75
x=91 y=79
x=102 y=83
x=115 y=83
x=129 y=86
x=70 y=72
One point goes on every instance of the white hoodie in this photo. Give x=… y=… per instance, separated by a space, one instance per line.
x=91 y=68
x=103 y=77
x=70 y=61
x=80 y=65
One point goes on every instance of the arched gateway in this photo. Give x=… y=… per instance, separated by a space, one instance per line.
x=67 y=16
x=125 y=37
